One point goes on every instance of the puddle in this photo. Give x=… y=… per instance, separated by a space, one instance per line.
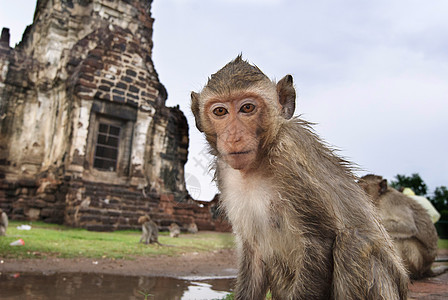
x=104 y=286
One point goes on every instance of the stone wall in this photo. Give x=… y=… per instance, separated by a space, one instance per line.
x=103 y=207
x=85 y=136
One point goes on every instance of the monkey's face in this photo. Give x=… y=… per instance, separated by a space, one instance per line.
x=240 y=110
x=236 y=124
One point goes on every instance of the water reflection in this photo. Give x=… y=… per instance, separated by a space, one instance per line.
x=103 y=286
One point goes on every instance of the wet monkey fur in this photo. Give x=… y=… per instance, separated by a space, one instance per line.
x=304 y=228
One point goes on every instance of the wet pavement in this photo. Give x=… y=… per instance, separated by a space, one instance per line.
x=102 y=286
x=36 y=286
x=56 y=285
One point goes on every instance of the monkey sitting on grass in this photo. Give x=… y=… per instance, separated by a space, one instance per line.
x=150 y=230
x=304 y=228
x=192 y=227
x=174 y=230
x=3 y=222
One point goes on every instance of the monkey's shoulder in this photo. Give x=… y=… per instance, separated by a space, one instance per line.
x=307 y=151
x=299 y=135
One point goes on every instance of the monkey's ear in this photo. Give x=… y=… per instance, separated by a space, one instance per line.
x=383 y=186
x=287 y=96
x=195 y=109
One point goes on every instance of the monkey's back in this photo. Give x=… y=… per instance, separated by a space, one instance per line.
x=418 y=244
x=332 y=211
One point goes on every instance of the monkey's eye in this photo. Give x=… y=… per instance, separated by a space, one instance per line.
x=220 y=111
x=247 y=108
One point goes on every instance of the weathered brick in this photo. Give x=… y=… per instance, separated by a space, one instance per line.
x=121 y=47
x=122 y=85
x=109 y=83
x=93 y=63
x=132 y=102
x=117 y=98
x=133 y=96
x=131 y=73
x=127 y=79
x=117 y=91
x=134 y=89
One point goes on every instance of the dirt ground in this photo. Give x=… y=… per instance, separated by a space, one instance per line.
x=217 y=263
x=190 y=265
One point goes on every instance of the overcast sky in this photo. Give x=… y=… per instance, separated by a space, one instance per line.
x=373 y=75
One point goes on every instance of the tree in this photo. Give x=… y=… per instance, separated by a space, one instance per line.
x=440 y=198
x=415 y=182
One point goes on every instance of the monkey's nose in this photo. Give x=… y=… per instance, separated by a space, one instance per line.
x=234 y=137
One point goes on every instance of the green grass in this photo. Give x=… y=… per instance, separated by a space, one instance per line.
x=61 y=241
x=50 y=240
x=231 y=296
x=443 y=244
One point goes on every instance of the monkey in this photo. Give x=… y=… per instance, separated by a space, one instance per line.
x=174 y=230
x=192 y=227
x=150 y=230
x=3 y=222
x=407 y=222
x=304 y=229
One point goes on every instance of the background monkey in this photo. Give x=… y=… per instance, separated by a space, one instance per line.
x=192 y=227
x=150 y=230
x=407 y=222
x=174 y=230
x=304 y=228
x=3 y=222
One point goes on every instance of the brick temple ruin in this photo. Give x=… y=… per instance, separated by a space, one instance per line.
x=85 y=137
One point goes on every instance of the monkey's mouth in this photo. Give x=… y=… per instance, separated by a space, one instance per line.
x=240 y=152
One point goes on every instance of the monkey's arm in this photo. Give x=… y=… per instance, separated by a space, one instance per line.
x=363 y=269
x=144 y=233
x=251 y=281
x=4 y=220
x=3 y=223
